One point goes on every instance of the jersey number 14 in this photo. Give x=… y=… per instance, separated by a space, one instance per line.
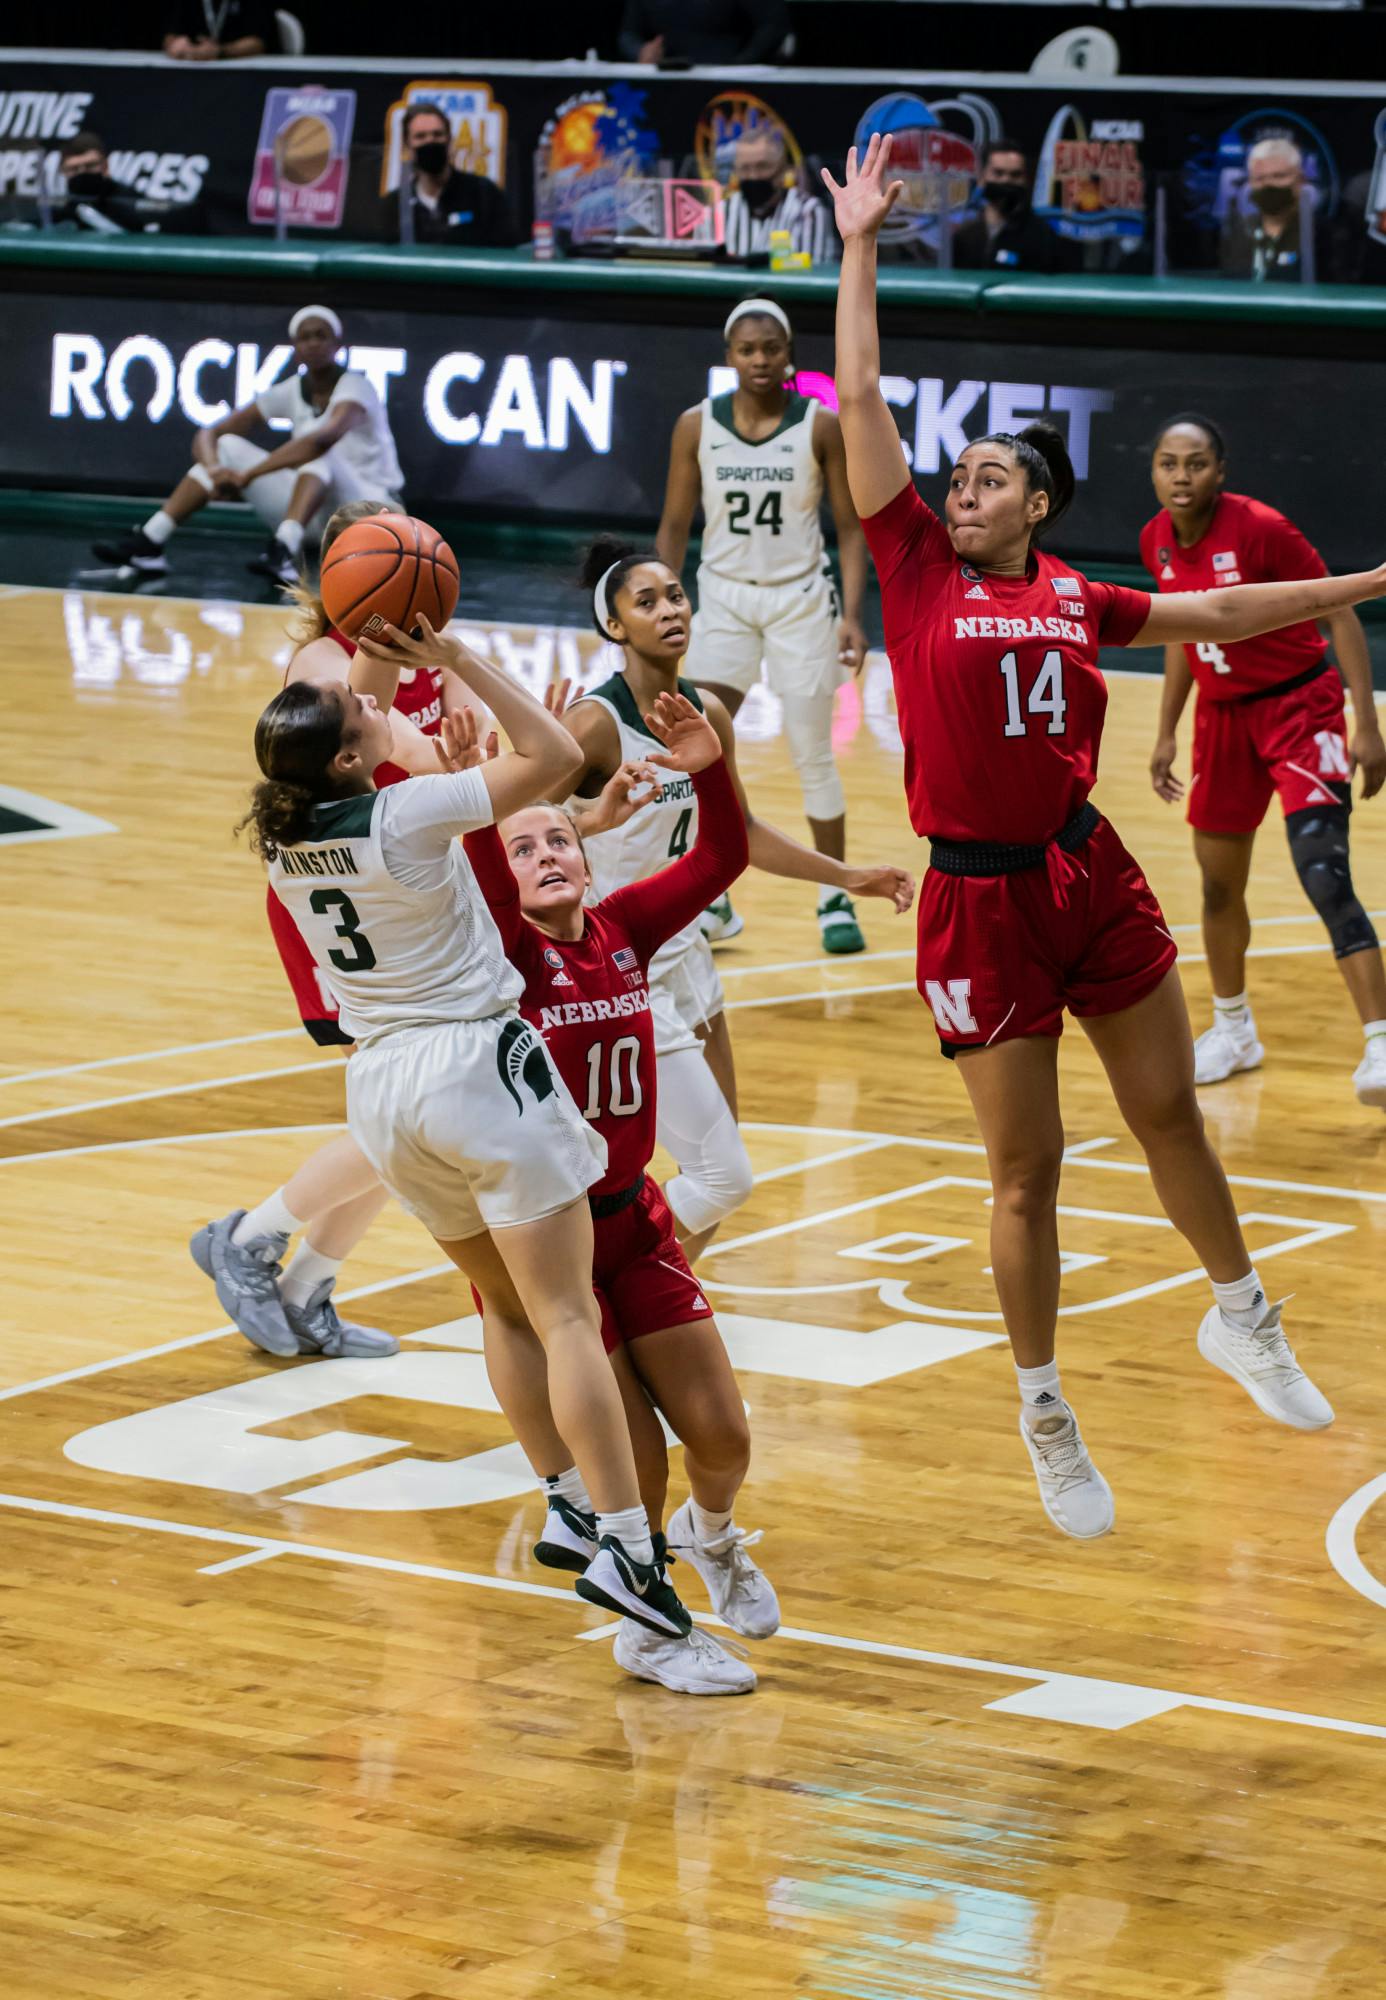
x=1046 y=696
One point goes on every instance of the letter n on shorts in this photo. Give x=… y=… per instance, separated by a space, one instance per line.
x=952 y=1006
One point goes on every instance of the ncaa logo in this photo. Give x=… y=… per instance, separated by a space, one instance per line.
x=553 y=958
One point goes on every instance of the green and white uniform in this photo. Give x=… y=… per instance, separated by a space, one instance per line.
x=451 y=1095
x=765 y=587
x=685 y=991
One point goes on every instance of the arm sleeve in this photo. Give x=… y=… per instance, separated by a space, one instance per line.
x=912 y=553
x=420 y=819
x=1117 y=613
x=652 y=911
x=496 y=880
x=1288 y=555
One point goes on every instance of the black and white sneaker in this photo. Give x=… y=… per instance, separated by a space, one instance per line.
x=133 y=552
x=569 y=1540
x=616 y=1581
x=274 y=561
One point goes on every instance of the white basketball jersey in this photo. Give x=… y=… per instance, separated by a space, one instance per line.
x=761 y=501
x=656 y=835
x=387 y=903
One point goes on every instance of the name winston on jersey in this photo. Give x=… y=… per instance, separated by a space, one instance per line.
x=318 y=861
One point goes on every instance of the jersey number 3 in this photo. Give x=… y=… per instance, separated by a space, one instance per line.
x=329 y=902
x=1046 y=696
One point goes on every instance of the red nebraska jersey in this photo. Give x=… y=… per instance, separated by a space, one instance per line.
x=1245 y=542
x=589 y=1000
x=999 y=694
x=420 y=697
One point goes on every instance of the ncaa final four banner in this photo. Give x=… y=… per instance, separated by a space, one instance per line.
x=531 y=415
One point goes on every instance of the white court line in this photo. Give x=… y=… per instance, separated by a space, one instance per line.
x=727 y=972
x=166 y=1139
x=1341 y=1540
x=201 y=1339
x=818 y=1160
x=172 y=1090
x=263 y=1548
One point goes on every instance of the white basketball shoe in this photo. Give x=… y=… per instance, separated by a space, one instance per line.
x=1076 y=1497
x=1263 y=1361
x=1226 y=1048
x=695 y=1665
x=741 y=1593
x=1369 y=1077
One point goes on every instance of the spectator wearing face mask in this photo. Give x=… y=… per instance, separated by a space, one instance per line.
x=94 y=200
x=765 y=197
x=436 y=201
x=1006 y=234
x=1268 y=244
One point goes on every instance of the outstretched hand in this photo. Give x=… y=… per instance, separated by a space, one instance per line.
x=864 y=199
x=457 y=746
x=392 y=648
x=630 y=787
x=690 y=741
x=894 y=884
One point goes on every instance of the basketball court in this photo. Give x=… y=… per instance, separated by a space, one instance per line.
x=291 y=1709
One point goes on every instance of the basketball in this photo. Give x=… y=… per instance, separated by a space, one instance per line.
x=391 y=568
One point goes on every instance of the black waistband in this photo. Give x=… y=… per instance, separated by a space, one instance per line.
x=957 y=857
x=603 y=1205
x=1283 y=687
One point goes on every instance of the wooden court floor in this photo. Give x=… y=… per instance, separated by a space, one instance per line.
x=287 y=1708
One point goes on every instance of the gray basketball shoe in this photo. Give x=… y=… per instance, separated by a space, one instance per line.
x=245 y=1275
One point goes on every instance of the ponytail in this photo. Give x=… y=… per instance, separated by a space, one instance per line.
x=1040 y=452
x=296 y=740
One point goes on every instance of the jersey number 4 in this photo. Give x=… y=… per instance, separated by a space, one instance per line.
x=624 y=1096
x=1046 y=696
x=328 y=902
x=767 y=515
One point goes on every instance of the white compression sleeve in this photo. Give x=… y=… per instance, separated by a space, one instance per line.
x=695 y=1125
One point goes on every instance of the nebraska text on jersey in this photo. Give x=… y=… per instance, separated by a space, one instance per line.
x=1048 y=627
x=572 y=1013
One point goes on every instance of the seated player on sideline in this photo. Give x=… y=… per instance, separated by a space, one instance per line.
x=585 y=973
x=341 y=449
x=1269 y=719
x=451 y=1095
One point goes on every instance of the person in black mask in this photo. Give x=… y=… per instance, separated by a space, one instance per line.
x=1006 y=233
x=1269 y=243
x=766 y=198
x=96 y=201
x=436 y=202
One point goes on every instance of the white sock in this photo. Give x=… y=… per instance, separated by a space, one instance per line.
x=1372 y=1028
x=1232 y=1013
x=631 y=1528
x=568 y=1486
x=1039 y=1390
x=290 y=533
x=1243 y=1302
x=159 y=527
x=305 y=1273
x=708 y=1527
x=273 y=1217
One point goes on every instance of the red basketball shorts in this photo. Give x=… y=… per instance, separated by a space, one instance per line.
x=316 y=1007
x=1244 y=752
x=998 y=958
x=642 y=1278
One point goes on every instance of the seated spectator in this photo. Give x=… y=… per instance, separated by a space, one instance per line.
x=436 y=202
x=680 y=32
x=220 y=30
x=1267 y=244
x=95 y=200
x=341 y=449
x=1006 y=234
x=765 y=197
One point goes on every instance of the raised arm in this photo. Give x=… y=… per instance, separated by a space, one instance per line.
x=1245 y=610
x=876 y=468
x=683 y=490
x=543 y=759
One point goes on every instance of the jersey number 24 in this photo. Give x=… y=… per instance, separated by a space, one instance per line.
x=767 y=515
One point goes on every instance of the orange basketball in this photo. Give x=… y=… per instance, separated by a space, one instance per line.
x=389 y=568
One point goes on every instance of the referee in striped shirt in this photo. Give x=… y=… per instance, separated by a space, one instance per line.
x=761 y=203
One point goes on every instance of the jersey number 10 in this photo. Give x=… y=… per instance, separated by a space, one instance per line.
x=1046 y=696
x=624 y=1096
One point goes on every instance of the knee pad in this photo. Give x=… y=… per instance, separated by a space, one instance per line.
x=199 y=472
x=808 y=728
x=695 y=1124
x=1319 y=850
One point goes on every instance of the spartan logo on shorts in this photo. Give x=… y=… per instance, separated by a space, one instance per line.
x=520 y=1058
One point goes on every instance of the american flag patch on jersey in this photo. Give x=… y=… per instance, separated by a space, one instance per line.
x=624 y=960
x=1066 y=586
x=1226 y=560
